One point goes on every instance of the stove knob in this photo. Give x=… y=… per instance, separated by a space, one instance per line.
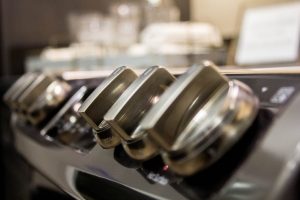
x=28 y=96
x=49 y=99
x=126 y=113
x=36 y=88
x=102 y=98
x=15 y=91
x=56 y=93
x=198 y=118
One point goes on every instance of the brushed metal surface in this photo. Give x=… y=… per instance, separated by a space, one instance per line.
x=272 y=170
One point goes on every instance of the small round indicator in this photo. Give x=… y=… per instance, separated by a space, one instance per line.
x=165 y=168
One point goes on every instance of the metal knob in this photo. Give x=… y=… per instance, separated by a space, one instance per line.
x=199 y=118
x=15 y=91
x=101 y=99
x=36 y=88
x=34 y=94
x=126 y=113
x=55 y=94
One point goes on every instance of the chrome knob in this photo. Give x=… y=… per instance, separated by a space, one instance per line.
x=101 y=99
x=36 y=88
x=33 y=95
x=15 y=91
x=54 y=94
x=126 y=113
x=198 y=118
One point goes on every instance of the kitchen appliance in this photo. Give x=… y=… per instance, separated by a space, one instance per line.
x=197 y=133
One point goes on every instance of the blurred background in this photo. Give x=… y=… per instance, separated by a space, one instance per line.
x=76 y=34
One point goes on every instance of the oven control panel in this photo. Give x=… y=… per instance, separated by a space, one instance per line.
x=199 y=134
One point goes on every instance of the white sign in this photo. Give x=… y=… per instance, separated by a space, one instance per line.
x=270 y=34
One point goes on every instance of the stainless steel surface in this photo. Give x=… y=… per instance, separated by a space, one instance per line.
x=292 y=70
x=78 y=75
x=273 y=160
x=103 y=97
x=263 y=164
x=126 y=113
x=69 y=133
x=61 y=165
x=273 y=167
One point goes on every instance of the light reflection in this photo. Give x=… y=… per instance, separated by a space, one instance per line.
x=242 y=185
x=123 y=10
x=76 y=106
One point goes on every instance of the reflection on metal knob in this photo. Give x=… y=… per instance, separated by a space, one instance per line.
x=55 y=93
x=102 y=98
x=126 y=113
x=68 y=128
x=38 y=86
x=34 y=95
x=15 y=91
x=199 y=118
